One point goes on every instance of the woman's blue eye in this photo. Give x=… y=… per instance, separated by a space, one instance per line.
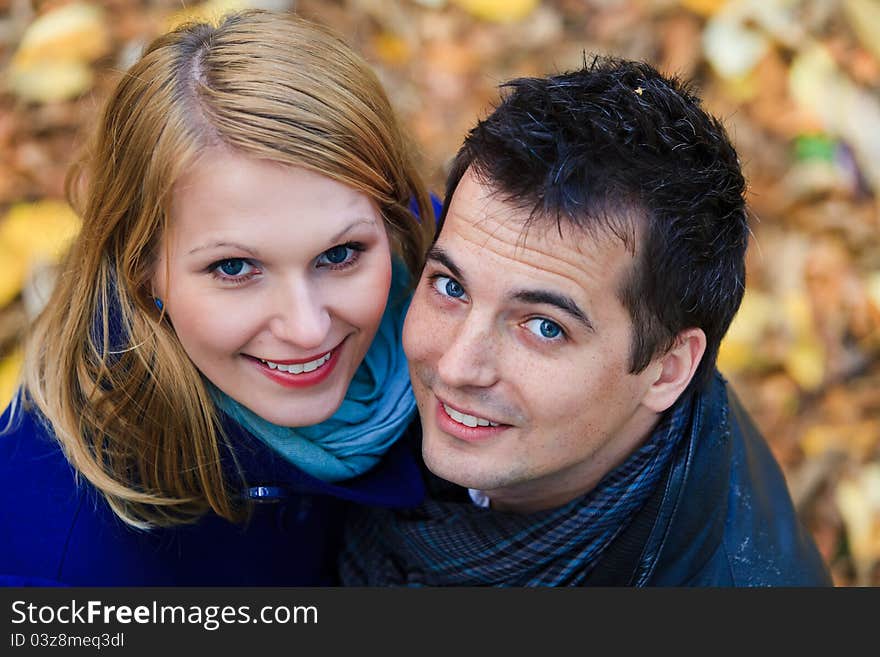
x=448 y=287
x=340 y=255
x=544 y=328
x=234 y=267
x=336 y=255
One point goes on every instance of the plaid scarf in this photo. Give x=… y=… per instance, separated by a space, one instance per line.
x=449 y=541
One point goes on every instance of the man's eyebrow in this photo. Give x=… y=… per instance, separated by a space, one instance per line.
x=561 y=301
x=437 y=254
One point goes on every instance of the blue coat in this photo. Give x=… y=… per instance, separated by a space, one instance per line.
x=57 y=531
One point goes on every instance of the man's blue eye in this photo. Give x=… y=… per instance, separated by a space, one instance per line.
x=232 y=267
x=549 y=329
x=453 y=289
x=544 y=328
x=448 y=287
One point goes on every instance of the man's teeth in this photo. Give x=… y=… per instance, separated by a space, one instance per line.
x=468 y=420
x=299 y=368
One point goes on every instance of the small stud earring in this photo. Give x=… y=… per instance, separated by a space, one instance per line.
x=159 y=303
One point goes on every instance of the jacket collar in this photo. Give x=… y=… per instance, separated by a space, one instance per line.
x=682 y=523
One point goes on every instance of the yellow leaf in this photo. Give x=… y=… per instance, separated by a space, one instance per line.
x=50 y=82
x=10 y=370
x=498 y=11
x=52 y=60
x=72 y=33
x=858 y=498
x=740 y=346
x=856 y=439
x=207 y=12
x=756 y=312
x=742 y=89
x=805 y=362
x=212 y=11
x=703 y=7
x=822 y=438
x=798 y=315
x=391 y=48
x=805 y=358
x=32 y=233
x=874 y=288
x=13 y=270
x=864 y=18
x=734 y=356
x=41 y=230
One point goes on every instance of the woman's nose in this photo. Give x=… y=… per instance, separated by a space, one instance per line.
x=301 y=318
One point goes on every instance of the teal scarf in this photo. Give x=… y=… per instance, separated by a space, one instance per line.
x=377 y=408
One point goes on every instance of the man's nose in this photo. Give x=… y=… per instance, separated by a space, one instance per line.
x=301 y=316
x=469 y=358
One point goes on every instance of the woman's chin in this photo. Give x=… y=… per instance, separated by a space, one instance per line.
x=300 y=414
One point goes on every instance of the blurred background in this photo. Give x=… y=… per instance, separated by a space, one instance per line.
x=796 y=82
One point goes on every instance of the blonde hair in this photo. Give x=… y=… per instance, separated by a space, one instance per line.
x=129 y=408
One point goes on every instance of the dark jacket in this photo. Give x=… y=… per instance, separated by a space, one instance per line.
x=55 y=530
x=721 y=516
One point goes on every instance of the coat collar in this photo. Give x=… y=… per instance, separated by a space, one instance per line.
x=682 y=523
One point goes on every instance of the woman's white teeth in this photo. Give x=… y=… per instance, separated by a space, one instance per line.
x=468 y=420
x=299 y=368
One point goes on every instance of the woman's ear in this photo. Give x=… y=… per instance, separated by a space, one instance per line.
x=677 y=368
x=159 y=279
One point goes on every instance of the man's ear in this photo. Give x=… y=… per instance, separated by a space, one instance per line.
x=676 y=369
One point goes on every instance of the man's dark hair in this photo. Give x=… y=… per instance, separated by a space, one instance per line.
x=616 y=146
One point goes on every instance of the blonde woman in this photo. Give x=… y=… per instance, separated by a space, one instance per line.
x=219 y=371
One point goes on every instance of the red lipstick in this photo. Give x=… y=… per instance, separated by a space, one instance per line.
x=304 y=379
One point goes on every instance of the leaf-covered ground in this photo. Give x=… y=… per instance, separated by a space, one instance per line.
x=797 y=82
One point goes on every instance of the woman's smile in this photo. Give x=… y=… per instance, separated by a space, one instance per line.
x=300 y=373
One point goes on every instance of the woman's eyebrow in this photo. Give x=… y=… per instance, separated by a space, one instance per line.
x=354 y=224
x=225 y=244
x=565 y=303
x=254 y=253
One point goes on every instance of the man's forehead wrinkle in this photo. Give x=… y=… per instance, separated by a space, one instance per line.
x=490 y=227
x=503 y=231
x=517 y=233
x=551 y=256
x=505 y=237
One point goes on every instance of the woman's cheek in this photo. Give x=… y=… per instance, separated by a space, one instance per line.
x=366 y=297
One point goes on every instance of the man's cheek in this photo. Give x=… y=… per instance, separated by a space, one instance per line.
x=411 y=328
x=425 y=343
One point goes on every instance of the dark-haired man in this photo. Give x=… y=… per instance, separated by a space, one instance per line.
x=562 y=345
